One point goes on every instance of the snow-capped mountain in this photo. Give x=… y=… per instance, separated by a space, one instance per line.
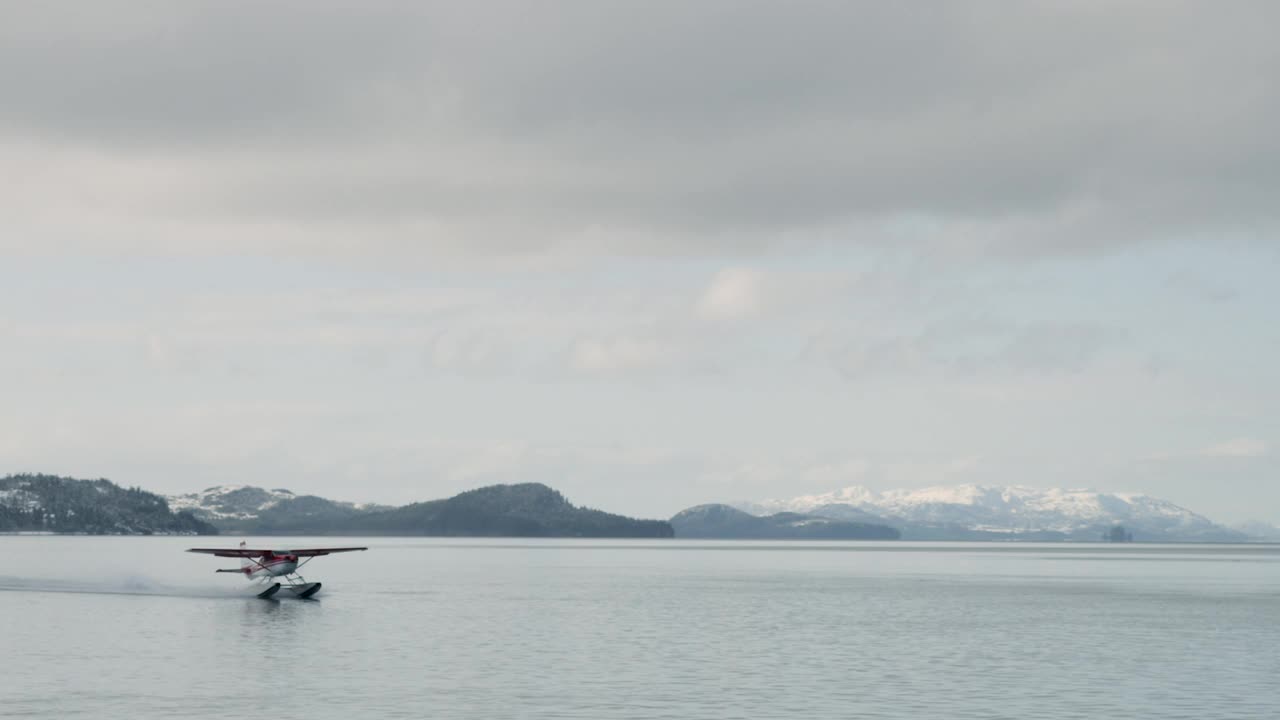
x=239 y=502
x=1014 y=509
x=247 y=502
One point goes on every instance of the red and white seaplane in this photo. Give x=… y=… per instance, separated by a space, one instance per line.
x=263 y=566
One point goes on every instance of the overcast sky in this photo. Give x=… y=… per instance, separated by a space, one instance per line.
x=653 y=254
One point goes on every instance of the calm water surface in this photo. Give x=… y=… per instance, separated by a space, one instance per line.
x=133 y=627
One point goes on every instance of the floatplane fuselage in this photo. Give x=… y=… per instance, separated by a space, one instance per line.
x=264 y=566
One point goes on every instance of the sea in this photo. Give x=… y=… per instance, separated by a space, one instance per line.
x=133 y=627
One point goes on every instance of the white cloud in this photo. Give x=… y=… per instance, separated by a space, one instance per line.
x=733 y=293
x=1241 y=447
x=621 y=354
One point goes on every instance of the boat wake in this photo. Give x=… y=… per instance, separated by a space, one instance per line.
x=132 y=585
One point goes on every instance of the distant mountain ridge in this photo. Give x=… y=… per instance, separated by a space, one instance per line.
x=978 y=511
x=520 y=510
x=46 y=503
x=722 y=522
x=51 y=504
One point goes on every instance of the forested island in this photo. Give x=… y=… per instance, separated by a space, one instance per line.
x=46 y=503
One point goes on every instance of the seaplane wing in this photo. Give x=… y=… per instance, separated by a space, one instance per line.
x=316 y=552
x=228 y=552
x=252 y=553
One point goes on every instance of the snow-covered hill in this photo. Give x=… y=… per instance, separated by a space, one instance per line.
x=239 y=502
x=224 y=505
x=1014 y=509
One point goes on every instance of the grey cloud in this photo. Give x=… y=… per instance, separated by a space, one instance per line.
x=401 y=126
x=172 y=75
